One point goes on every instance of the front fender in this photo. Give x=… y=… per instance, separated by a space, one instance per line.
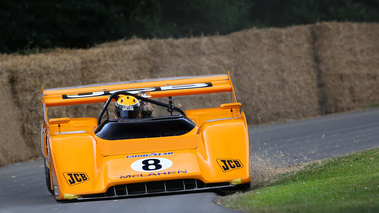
x=76 y=163
x=224 y=151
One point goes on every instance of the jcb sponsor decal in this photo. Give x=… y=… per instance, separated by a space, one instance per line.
x=228 y=165
x=74 y=178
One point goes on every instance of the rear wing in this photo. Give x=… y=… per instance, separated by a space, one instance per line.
x=154 y=88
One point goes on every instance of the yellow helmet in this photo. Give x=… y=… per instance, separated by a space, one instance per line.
x=127 y=106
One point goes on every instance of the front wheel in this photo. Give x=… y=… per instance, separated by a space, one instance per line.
x=48 y=178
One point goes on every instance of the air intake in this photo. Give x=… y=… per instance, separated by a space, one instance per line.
x=156 y=187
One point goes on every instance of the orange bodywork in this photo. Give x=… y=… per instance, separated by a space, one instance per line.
x=80 y=164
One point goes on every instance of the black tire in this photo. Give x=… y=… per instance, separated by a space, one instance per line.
x=47 y=176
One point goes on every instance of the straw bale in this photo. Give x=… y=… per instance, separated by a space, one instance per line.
x=12 y=144
x=272 y=70
x=129 y=61
x=26 y=75
x=349 y=60
x=275 y=74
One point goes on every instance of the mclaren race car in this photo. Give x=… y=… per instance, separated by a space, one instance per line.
x=128 y=151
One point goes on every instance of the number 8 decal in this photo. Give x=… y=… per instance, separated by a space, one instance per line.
x=151 y=164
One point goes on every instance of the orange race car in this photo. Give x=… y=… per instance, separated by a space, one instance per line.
x=134 y=152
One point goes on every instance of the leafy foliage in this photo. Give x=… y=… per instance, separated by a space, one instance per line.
x=80 y=24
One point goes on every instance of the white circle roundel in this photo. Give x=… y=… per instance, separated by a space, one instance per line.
x=151 y=164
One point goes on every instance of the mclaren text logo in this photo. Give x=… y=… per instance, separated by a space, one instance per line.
x=154 y=174
x=74 y=178
x=138 y=90
x=228 y=165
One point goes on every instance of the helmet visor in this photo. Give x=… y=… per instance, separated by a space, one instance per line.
x=130 y=112
x=127 y=107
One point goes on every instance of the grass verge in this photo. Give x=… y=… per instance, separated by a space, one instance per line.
x=345 y=184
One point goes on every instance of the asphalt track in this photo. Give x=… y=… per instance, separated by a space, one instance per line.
x=22 y=185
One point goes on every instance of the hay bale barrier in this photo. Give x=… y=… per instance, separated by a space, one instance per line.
x=279 y=75
x=348 y=60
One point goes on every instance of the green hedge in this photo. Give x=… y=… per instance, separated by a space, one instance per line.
x=26 y=24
